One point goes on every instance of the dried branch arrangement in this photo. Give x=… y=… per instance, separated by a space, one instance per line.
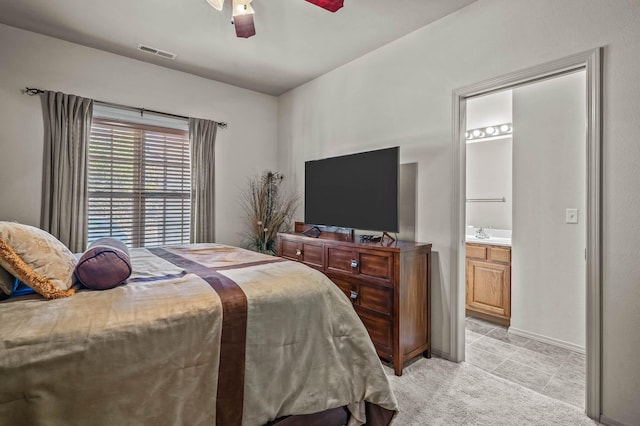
x=268 y=209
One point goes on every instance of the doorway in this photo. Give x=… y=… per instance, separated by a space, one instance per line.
x=590 y=62
x=525 y=280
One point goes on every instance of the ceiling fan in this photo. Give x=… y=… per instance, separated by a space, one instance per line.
x=243 y=13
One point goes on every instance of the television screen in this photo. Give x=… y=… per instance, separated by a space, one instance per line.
x=353 y=191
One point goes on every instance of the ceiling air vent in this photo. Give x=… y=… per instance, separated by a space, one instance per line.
x=157 y=52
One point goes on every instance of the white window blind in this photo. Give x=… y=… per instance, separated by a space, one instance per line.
x=139 y=183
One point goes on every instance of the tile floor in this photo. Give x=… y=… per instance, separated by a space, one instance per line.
x=550 y=370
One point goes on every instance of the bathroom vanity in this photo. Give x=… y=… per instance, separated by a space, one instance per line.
x=488 y=271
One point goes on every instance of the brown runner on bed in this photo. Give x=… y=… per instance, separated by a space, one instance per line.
x=230 y=394
x=231 y=368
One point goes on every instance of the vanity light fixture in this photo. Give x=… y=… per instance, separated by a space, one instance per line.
x=490 y=132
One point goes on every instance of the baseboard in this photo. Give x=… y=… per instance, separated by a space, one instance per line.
x=440 y=354
x=609 y=422
x=488 y=317
x=548 y=340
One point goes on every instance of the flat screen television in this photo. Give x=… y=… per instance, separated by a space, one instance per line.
x=353 y=191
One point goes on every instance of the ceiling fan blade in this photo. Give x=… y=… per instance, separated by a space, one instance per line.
x=244 y=26
x=330 y=5
x=218 y=4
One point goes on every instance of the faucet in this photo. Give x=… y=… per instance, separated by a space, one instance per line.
x=480 y=234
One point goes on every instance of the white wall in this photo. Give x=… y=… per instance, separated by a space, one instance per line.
x=489 y=110
x=401 y=95
x=548 y=287
x=248 y=145
x=489 y=176
x=489 y=162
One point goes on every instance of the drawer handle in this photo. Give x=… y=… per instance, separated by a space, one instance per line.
x=354 y=295
x=298 y=252
x=354 y=263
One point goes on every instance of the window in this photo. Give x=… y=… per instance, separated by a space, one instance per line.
x=139 y=183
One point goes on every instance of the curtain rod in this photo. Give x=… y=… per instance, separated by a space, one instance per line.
x=33 y=91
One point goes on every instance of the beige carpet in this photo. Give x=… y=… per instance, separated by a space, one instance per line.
x=438 y=392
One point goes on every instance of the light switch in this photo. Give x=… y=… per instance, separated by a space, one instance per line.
x=572 y=216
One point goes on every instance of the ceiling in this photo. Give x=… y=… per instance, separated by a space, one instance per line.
x=296 y=41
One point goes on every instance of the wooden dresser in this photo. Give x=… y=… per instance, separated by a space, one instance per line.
x=388 y=284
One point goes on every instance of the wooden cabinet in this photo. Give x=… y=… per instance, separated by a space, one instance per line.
x=488 y=286
x=388 y=285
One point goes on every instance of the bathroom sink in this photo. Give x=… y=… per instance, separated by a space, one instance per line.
x=496 y=241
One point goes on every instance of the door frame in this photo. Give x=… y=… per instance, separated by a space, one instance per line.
x=591 y=62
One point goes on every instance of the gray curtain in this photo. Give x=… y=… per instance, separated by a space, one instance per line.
x=202 y=138
x=67 y=122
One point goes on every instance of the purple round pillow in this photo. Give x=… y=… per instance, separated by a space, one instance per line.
x=104 y=265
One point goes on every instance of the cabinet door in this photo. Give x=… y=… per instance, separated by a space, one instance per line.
x=489 y=288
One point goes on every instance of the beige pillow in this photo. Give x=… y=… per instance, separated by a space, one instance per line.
x=37 y=259
x=6 y=282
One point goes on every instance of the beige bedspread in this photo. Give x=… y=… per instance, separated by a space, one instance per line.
x=148 y=352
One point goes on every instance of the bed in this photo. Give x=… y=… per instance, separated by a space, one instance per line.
x=199 y=335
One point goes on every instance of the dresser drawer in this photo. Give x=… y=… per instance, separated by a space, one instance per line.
x=308 y=253
x=380 y=331
x=313 y=255
x=347 y=288
x=377 y=265
x=341 y=260
x=375 y=298
x=291 y=249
